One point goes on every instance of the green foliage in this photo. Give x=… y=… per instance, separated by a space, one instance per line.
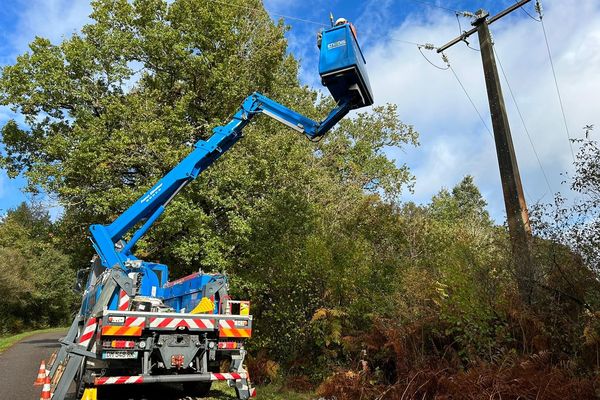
x=35 y=278
x=314 y=234
x=455 y=274
x=111 y=109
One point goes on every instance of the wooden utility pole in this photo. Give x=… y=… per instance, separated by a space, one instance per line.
x=514 y=199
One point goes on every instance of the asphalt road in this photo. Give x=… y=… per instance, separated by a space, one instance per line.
x=19 y=367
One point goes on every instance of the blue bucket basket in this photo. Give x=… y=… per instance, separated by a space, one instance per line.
x=343 y=68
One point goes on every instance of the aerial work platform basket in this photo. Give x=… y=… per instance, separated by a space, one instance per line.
x=342 y=66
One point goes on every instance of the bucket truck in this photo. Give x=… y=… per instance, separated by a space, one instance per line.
x=135 y=326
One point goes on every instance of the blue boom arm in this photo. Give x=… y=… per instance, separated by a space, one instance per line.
x=343 y=72
x=108 y=240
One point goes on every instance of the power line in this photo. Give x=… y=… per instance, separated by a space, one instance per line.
x=529 y=15
x=538 y=8
x=435 y=6
x=512 y=95
x=275 y=14
x=460 y=30
x=407 y=42
x=429 y=46
x=470 y=99
x=429 y=61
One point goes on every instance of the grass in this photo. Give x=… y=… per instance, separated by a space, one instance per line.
x=8 y=341
x=220 y=391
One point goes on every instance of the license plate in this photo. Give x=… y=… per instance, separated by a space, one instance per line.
x=119 y=355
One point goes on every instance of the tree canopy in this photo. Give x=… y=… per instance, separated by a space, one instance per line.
x=339 y=270
x=110 y=110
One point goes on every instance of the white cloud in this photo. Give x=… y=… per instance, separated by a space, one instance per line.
x=52 y=19
x=454 y=140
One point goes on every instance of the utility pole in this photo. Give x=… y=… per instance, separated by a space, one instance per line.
x=514 y=199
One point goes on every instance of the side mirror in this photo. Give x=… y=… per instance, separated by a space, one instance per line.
x=81 y=280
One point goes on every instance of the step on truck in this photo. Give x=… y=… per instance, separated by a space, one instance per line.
x=135 y=326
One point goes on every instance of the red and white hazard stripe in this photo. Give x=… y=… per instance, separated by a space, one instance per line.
x=88 y=332
x=171 y=323
x=227 y=376
x=135 y=321
x=125 y=380
x=123 y=301
x=119 y=380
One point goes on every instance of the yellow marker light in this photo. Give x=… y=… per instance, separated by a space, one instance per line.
x=244 y=308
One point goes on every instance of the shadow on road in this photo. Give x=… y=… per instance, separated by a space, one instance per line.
x=42 y=344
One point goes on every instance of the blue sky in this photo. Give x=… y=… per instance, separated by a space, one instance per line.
x=454 y=141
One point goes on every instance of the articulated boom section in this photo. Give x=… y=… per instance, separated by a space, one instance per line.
x=108 y=240
x=134 y=326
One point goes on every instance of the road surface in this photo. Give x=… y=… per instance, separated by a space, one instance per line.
x=19 y=367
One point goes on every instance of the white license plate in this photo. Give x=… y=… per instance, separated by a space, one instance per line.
x=119 y=355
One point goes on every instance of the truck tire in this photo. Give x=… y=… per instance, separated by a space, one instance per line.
x=197 y=389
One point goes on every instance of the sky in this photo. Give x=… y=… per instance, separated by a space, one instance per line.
x=454 y=140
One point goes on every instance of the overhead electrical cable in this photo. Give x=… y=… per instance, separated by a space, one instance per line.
x=435 y=5
x=538 y=8
x=406 y=42
x=512 y=95
x=269 y=12
x=527 y=12
x=470 y=100
x=449 y=66
x=428 y=60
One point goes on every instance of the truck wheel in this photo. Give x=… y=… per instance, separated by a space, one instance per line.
x=197 y=389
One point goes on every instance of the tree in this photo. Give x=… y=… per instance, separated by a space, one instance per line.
x=35 y=278
x=111 y=109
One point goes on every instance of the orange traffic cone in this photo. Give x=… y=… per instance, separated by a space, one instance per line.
x=41 y=375
x=46 y=395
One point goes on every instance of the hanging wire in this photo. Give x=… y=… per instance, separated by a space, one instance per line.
x=471 y=47
x=429 y=46
x=420 y=47
x=449 y=66
x=464 y=14
x=460 y=30
x=272 y=13
x=538 y=8
x=406 y=42
x=467 y=94
x=435 y=6
x=527 y=12
x=512 y=95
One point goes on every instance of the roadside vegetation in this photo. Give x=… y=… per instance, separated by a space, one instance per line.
x=7 y=341
x=355 y=294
